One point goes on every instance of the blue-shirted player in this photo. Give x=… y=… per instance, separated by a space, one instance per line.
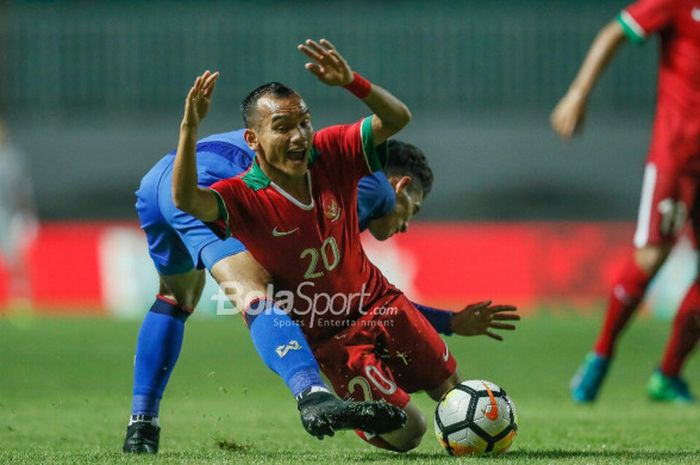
x=181 y=247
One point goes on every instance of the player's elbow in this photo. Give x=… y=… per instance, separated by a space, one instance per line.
x=395 y=122
x=403 y=117
x=183 y=201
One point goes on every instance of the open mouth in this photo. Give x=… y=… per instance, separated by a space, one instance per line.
x=297 y=155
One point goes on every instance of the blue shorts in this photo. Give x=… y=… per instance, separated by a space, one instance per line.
x=177 y=242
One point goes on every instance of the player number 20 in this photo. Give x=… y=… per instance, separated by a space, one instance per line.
x=329 y=254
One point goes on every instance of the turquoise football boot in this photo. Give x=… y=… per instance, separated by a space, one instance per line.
x=664 y=388
x=589 y=377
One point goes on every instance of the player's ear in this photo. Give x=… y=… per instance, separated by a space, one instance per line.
x=401 y=183
x=251 y=139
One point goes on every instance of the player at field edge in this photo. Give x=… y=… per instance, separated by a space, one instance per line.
x=305 y=184
x=180 y=245
x=670 y=186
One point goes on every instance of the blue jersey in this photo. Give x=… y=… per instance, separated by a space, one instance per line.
x=178 y=242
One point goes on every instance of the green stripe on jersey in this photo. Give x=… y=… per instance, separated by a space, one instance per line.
x=376 y=156
x=632 y=29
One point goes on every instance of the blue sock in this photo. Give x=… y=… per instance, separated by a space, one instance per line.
x=282 y=346
x=438 y=319
x=157 y=349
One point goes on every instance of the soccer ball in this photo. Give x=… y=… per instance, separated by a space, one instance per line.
x=475 y=417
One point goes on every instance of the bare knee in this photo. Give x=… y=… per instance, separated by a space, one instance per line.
x=410 y=436
x=650 y=257
x=437 y=393
x=185 y=288
x=242 y=278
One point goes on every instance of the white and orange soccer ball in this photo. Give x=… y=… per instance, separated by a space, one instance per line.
x=475 y=417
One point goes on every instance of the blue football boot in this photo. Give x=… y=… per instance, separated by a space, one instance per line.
x=589 y=377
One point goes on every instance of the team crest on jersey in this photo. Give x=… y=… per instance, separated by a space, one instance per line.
x=331 y=208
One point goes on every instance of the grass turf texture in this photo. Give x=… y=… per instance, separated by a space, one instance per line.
x=65 y=395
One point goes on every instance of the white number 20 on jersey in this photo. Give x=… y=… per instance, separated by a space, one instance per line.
x=329 y=255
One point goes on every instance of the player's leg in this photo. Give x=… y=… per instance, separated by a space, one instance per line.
x=391 y=352
x=410 y=436
x=365 y=376
x=160 y=339
x=666 y=383
x=157 y=349
x=161 y=334
x=437 y=393
x=282 y=346
x=657 y=228
x=245 y=283
x=418 y=358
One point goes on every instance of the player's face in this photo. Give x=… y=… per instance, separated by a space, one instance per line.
x=282 y=135
x=408 y=203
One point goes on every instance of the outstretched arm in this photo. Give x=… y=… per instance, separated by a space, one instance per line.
x=329 y=66
x=571 y=109
x=187 y=195
x=472 y=320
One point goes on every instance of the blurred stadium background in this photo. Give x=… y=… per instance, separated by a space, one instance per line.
x=91 y=93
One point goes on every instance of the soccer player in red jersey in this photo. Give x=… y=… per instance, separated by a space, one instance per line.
x=295 y=210
x=670 y=186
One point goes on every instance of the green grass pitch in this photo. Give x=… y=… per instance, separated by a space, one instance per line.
x=65 y=393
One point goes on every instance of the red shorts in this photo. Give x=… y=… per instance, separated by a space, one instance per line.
x=390 y=351
x=668 y=200
x=670 y=188
x=675 y=141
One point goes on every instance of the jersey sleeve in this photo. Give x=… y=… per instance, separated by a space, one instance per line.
x=646 y=17
x=375 y=198
x=353 y=145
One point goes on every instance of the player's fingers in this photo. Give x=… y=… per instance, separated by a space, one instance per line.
x=211 y=79
x=558 y=123
x=327 y=43
x=195 y=88
x=202 y=81
x=313 y=45
x=505 y=326
x=314 y=68
x=203 y=78
x=478 y=305
x=505 y=317
x=495 y=336
x=191 y=93
x=210 y=84
x=335 y=58
x=309 y=53
x=504 y=308
x=568 y=126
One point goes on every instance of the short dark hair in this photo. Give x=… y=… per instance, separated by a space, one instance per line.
x=408 y=160
x=249 y=103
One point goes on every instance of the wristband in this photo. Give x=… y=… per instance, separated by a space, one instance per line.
x=359 y=87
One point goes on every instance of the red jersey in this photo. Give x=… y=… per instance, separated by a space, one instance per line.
x=678 y=24
x=313 y=251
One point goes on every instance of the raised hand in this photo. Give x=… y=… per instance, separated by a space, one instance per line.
x=327 y=64
x=199 y=98
x=568 y=115
x=482 y=318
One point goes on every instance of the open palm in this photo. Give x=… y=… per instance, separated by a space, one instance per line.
x=199 y=98
x=328 y=65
